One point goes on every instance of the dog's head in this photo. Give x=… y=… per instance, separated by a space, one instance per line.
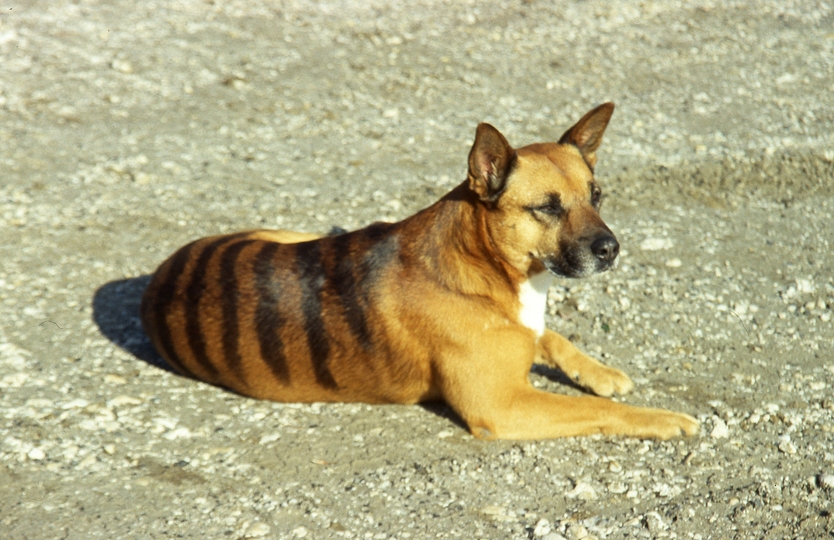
x=542 y=200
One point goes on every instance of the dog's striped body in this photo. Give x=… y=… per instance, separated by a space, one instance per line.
x=446 y=304
x=338 y=318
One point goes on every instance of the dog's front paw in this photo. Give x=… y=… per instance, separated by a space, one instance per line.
x=604 y=381
x=660 y=424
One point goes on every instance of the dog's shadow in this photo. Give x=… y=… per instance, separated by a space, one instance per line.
x=116 y=312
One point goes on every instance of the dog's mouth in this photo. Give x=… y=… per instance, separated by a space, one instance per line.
x=581 y=259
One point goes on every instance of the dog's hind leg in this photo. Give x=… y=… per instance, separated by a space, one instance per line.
x=556 y=351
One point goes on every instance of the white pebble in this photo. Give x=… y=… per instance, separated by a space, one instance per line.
x=75 y=404
x=269 y=437
x=656 y=244
x=582 y=491
x=178 y=433
x=655 y=523
x=542 y=528
x=575 y=531
x=787 y=447
x=39 y=403
x=36 y=454
x=256 y=530
x=720 y=429
x=15 y=380
x=617 y=488
x=119 y=401
x=826 y=481
x=674 y=263
x=122 y=66
x=299 y=532
x=112 y=378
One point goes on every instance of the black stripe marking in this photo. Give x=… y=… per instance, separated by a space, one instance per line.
x=163 y=299
x=311 y=278
x=381 y=249
x=193 y=294
x=268 y=319
x=229 y=300
x=343 y=281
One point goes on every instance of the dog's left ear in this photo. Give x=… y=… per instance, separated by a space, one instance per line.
x=586 y=135
x=490 y=162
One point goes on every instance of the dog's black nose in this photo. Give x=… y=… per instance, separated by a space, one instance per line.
x=605 y=248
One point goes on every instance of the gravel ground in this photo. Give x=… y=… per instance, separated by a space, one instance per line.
x=128 y=128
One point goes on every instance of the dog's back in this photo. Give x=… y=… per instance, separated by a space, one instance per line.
x=293 y=317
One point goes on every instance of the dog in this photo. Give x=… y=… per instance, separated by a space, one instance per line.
x=447 y=304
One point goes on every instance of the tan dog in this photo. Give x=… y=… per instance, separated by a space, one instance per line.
x=446 y=304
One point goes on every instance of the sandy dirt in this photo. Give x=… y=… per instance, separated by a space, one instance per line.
x=130 y=128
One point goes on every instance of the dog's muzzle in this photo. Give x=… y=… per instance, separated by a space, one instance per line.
x=585 y=257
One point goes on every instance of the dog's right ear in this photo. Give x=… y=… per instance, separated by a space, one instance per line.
x=490 y=162
x=586 y=135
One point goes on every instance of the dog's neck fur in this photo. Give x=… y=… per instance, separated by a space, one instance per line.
x=454 y=242
x=458 y=239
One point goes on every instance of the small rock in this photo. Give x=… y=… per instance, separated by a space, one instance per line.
x=582 y=491
x=674 y=263
x=299 y=532
x=654 y=522
x=39 y=403
x=826 y=481
x=656 y=244
x=75 y=404
x=553 y=536
x=617 y=488
x=719 y=429
x=575 y=531
x=257 y=530
x=67 y=111
x=122 y=66
x=112 y=378
x=36 y=454
x=118 y=401
x=787 y=447
x=269 y=437
x=86 y=462
x=542 y=528
x=15 y=380
x=178 y=433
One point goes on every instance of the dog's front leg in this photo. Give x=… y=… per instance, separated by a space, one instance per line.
x=487 y=385
x=556 y=351
x=533 y=414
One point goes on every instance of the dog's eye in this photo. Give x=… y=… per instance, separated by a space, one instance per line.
x=596 y=197
x=553 y=207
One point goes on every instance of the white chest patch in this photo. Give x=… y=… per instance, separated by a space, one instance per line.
x=533 y=297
